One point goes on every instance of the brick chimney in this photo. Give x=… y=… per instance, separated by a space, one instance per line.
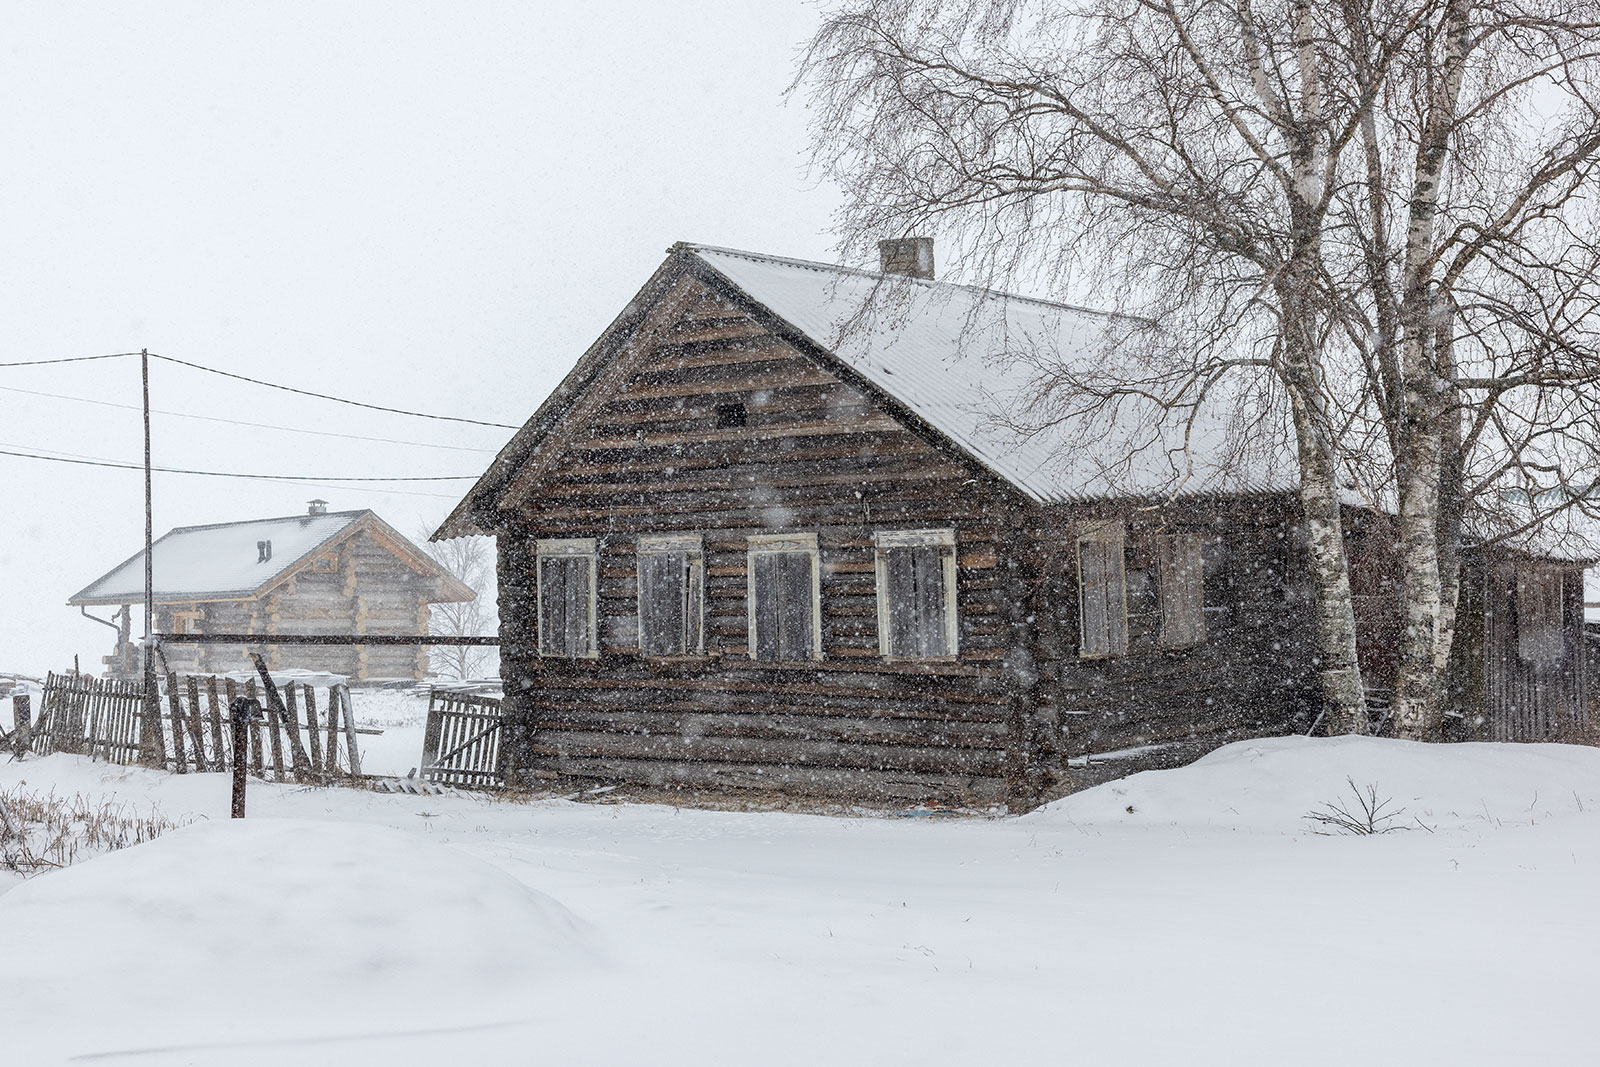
x=911 y=256
x=263 y=551
x=317 y=507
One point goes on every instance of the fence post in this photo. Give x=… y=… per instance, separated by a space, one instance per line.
x=22 y=722
x=242 y=711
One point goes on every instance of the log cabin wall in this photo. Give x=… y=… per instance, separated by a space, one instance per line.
x=1247 y=676
x=729 y=432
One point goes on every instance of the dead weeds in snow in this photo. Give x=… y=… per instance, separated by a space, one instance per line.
x=43 y=831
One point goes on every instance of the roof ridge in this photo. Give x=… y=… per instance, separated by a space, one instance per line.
x=931 y=283
x=274 y=518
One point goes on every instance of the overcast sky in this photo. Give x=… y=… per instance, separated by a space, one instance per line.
x=432 y=206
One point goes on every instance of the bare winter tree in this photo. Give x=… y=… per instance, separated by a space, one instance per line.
x=471 y=561
x=1472 y=223
x=1179 y=161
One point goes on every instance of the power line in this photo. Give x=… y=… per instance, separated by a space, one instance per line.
x=97 y=462
x=69 y=359
x=335 y=399
x=316 y=485
x=240 y=422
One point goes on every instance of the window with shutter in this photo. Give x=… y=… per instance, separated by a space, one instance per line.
x=1183 y=620
x=785 y=608
x=1539 y=637
x=566 y=573
x=671 y=595
x=916 y=578
x=1102 y=604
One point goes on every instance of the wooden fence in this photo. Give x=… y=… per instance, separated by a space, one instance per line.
x=103 y=719
x=461 y=742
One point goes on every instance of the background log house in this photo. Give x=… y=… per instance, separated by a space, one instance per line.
x=345 y=572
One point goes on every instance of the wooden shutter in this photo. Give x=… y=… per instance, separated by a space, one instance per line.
x=916 y=601
x=663 y=605
x=1101 y=597
x=1183 y=620
x=783 y=602
x=566 y=598
x=552 y=606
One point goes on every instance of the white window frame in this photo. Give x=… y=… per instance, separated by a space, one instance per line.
x=883 y=540
x=692 y=545
x=1111 y=533
x=772 y=544
x=545 y=548
x=1168 y=547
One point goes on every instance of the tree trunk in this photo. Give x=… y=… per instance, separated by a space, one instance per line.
x=1344 y=708
x=1419 y=703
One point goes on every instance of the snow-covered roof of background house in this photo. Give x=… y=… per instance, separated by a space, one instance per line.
x=222 y=562
x=966 y=360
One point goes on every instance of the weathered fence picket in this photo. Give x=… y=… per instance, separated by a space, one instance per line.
x=102 y=718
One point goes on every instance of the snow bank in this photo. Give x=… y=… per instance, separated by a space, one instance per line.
x=289 y=926
x=1271 y=784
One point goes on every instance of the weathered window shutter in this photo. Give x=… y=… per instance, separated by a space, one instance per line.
x=566 y=598
x=671 y=596
x=1539 y=629
x=916 y=593
x=1183 y=621
x=783 y=592
x=1101 y=595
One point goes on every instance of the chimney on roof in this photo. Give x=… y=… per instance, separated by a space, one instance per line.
x=911 y=256
x=317 y=507
x=263 y=551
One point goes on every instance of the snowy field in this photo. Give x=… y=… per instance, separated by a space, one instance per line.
x=1187 y=916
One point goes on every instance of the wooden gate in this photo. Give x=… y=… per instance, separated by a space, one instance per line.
x=461 y=743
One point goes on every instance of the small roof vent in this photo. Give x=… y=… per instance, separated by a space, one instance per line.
x=263 y=551
x=910 y=256
x=316 y=507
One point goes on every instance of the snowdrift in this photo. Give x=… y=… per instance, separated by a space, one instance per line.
x=286 y=926
x=1270 y=784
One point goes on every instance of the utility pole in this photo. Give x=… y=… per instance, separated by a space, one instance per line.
x=152 y=752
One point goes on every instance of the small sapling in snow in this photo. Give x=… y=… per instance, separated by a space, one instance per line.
x=1368 y=815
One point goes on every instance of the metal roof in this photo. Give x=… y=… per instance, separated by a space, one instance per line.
x=968 y=360
x=222 y=562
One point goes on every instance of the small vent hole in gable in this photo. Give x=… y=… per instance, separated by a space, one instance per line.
x=731 y=415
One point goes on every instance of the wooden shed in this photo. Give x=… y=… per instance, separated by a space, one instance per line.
x=323 y=572
x=741 y=546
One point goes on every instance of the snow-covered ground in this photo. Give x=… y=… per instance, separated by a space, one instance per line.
x=1187 y=916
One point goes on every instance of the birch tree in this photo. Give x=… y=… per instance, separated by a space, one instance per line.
x=470 y=560
x=1176 y=161
x=1472 y=219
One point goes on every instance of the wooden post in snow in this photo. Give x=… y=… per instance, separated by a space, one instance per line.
x=22 y=724
x=242 y=711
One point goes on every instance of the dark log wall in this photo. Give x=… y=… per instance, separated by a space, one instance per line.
x=1501 y=696
x=813 y=454
x=1249 y=677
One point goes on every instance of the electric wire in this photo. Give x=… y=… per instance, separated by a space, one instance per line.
x=317 y=485
x=6 y=447
x=241 y=422
x=68 y=359
x=335 y=399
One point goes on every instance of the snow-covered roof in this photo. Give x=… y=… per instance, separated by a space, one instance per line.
x=219 y=562
x=966 y=360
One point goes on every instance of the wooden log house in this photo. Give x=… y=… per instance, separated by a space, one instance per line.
x=324 y=572
x=741 y=546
